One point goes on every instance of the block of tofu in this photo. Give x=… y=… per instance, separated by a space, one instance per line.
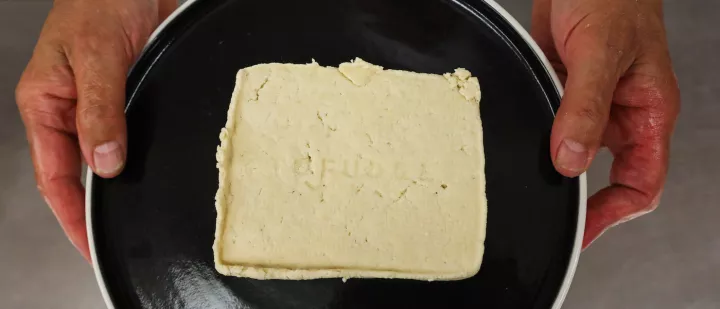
x=351 y=172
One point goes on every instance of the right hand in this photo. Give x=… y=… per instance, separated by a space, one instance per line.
x=71 y=97
x=620 y=93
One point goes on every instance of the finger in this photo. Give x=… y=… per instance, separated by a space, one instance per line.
x=578 y=127
x=612 y=206
x=60 y=186
x=45 y=97
x=639 y=137
x=637 y=177
x=595 y=62
x=100 y=68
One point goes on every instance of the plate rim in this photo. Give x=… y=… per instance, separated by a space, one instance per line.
x=517 y=27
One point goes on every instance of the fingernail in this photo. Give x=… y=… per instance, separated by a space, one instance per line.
x=572 y=156
x=108 y=157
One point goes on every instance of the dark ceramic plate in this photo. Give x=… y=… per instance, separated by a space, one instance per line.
x=152 y=227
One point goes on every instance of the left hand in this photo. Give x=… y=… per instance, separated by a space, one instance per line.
x=71 y=97
x=620 y=93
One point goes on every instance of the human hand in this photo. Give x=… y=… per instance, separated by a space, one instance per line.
x=72 y=95
x=620 y=93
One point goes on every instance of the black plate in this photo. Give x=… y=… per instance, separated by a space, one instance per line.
x=153 y=226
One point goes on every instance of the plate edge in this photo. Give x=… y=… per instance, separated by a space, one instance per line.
x=89 y=178
x=582 y=196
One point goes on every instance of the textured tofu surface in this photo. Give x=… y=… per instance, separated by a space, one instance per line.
x=349 y=172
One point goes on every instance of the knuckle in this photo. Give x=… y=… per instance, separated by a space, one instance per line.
x=63 y=121
x=37 y=107
x=87 y=39
x=97 y=112
x=93 y=44
x=643 y=206
x=25 y=91
x=590 y=114
x=654 y=203
x=660 y=92
x=650 y=208
x=26 y=95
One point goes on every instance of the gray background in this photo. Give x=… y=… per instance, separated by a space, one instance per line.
x=669 y=259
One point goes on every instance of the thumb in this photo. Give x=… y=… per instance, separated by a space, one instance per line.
x=100 y=68
x=593 y=73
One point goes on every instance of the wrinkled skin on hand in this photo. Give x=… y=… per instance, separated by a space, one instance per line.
x=620 y=93
x=71 y=97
